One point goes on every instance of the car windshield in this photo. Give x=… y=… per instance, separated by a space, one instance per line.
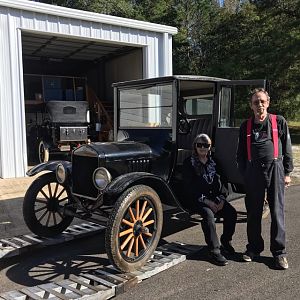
x=146 y=106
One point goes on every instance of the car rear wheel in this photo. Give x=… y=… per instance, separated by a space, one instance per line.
x=43 y=152
x=134 y=228
x=42 y=206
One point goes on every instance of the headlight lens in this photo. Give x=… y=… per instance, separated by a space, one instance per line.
x=101 y=178
x=61 y=173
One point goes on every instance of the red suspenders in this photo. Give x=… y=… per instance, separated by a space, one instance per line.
x=274 y=136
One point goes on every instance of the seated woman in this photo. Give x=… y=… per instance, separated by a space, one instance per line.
x=203 y=187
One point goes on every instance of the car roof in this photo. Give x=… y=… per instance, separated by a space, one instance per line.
x=168 y=78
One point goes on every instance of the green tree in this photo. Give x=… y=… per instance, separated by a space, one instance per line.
x=244 y=39
x=258 y=41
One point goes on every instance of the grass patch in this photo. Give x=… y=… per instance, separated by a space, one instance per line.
x=294 y=127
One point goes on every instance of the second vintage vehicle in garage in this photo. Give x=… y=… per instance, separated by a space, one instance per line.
x=124 y=183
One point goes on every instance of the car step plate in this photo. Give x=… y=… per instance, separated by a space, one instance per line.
x=14 y=246
x=105 y=282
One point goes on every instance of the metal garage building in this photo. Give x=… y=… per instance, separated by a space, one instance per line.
x=43 y=39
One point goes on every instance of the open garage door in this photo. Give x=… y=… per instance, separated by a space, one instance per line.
x=60 y=69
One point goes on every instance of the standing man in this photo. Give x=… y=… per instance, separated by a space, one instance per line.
x=264 y=158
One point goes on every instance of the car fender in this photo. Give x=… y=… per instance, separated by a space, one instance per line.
x=123 y=182
x=49 y=166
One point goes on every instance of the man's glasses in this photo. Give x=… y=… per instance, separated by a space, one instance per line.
x=202 y=145
x=257 y=102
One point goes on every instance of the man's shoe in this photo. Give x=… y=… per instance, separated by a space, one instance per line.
x=218 y=259
x=281 y=263
x=227 y=248
x=248 y=256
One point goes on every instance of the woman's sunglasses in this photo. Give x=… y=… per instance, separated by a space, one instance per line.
x=202 y=145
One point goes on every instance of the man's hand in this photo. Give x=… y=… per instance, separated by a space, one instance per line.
x=214 y=206
x=287 y=181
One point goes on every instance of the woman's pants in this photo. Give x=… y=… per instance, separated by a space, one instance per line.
x=229 y=215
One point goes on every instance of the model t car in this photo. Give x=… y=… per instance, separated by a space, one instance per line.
x=64 y=127
x=124 y=183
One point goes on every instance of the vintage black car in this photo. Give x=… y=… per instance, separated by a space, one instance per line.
x=64 y=127
x=124 y=183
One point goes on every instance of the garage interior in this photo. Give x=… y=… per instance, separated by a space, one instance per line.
x=59 y=68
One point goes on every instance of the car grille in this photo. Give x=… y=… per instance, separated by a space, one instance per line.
x=139 y=165
x=83 y=168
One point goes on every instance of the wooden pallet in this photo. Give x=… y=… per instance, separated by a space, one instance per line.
x=105 y=282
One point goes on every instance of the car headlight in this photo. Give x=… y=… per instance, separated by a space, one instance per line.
x=101 y=178
x=61 y=173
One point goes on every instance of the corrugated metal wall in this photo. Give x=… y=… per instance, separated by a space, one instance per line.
x=157 y=61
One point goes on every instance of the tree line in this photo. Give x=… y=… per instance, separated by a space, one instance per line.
x=234 y=39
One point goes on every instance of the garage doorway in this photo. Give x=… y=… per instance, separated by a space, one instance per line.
x=71 y=71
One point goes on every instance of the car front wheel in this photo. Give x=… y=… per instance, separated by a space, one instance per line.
x=134 y=228
x=43 y=206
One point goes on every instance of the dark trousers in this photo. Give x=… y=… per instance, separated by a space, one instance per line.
x=229 y=215
x=260 y=179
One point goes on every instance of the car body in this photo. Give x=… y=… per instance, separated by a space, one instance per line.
x=124 y=183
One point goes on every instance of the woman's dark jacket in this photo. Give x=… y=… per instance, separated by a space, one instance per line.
x=201 y=181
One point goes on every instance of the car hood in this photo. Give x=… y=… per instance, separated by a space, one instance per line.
x=114 y=151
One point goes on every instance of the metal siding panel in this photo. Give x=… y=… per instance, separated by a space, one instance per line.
x=86 y=28
x=124 y=35
x=106 y=32
x=24 y=160
x=18 y=152
x=169 y=55
x=115 y=33
x=3 y=80
x=40 y=22
x=142 y=38
x=150 y=59
x=64 y=26
x=52 y=24
x=27 y=20
x=165 y=59
x=7 y=132
x=96 y=31
x=133 y=36
x=76 y=28
x=12 y=140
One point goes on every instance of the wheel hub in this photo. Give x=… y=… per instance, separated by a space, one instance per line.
x=138 y=228
x=52 y=204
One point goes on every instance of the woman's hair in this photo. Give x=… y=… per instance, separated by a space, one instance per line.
x=202 y=137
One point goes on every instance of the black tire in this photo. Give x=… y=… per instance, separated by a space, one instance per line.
x=43 y=152
x=138 y=217
x=41 y=206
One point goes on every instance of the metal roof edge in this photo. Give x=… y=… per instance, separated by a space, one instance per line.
x=86 y=15
x=168 y=78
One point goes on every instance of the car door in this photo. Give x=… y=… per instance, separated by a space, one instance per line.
x=232 y=108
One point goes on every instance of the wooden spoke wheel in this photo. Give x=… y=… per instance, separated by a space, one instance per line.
x=42 y=206
x=134 y=228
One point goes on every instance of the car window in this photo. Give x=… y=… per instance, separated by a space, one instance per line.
x=199 y=105
x=149 y=106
